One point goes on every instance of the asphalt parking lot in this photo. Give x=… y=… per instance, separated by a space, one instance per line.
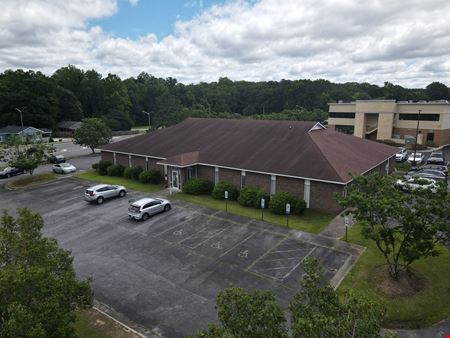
x=165 y=273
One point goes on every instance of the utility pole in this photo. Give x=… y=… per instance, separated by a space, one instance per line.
x=148 y=114
x=21 y=118
x=417 y=135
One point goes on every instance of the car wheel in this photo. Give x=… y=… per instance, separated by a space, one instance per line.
x=122 y=193
x=167 y=207
x=100 y=200
x=145 y=217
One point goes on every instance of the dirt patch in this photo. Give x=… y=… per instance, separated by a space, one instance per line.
x=407 y=284
x=103 y=326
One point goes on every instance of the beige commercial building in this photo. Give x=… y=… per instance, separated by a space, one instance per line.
x=393 y=120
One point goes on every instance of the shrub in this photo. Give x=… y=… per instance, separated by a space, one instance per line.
x=262 y=194
x=152 y=176
x=115 y=170
x=95 y=166
x=220 y=188
x=50 y=140
x=198 y=186
x=133 y=172
x=103 y=167
x=248 y=197
x=279 y=200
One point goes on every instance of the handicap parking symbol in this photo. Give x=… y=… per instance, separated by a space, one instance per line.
x=216 y=245
x=178 y=232
x=243 y=254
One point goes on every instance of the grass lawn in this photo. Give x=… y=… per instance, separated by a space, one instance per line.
x=31 y=179
x=131 y=184
x=311 y=221
x=92 y=324
x=420 y=310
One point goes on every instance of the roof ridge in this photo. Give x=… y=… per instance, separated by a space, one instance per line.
x=344 y=179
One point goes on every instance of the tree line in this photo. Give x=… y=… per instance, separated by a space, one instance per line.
x=73 y=94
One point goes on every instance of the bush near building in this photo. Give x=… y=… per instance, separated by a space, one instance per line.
x=152 y=176
x=103 y=167
x=251 y=197
x=198 y=186
x=133 y=173
x=220 y=188
x=279 y=200
x=115 y=170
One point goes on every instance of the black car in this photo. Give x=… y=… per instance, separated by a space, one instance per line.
x=10 y=171
x=435 y=167
x=57 y=159
x=436 y=157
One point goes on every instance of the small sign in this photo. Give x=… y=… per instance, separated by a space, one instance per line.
x=226 y=195
x=288 y=208
x=263 y=203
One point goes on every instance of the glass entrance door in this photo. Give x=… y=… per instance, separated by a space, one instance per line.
x=175 y=179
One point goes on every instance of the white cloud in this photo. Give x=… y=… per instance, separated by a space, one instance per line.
x=133 y=2
x=403 y=41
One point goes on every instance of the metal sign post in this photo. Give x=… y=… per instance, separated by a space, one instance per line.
x=288 y=211
x=263 y=204
x=346 y=222
x=226 y=201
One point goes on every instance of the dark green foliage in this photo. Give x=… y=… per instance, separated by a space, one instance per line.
x=153 y=176
x=198 y=186
x=316 y=312
x=404 y=226
x=92 y=133
x=74 y=94
x=95 y=166
x=103 y=167
x=133 y=172
x=39 y=290
x=251 y=197
x=115 y=170
x=220 y=188
x=279 y=200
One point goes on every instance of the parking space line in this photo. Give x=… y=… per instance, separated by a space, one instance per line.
x=296 y=265
x=265 y=254
x=207 y=239
x=281 y=259
x=286 y=250
x=277 y=268
x=244 y=240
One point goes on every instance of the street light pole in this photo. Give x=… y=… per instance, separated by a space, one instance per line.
x=417 y=135
x=148 y=114
x=20 y=111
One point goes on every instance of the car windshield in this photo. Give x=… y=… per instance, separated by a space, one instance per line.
x=65 y=165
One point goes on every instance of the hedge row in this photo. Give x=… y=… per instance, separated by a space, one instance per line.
x=248 y=196
x=135 y=173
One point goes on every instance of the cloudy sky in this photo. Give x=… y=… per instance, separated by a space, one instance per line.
x=402 y=41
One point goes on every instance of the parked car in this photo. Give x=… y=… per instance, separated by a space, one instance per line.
x=438 y=167
x=10 y=171
x=418 y=159
x=435 y=175
x=436 y=157
x=99 y=193
x=57 y=159
x=402 y=155
x=145 y=207
x=415 y=183
x=64 y=168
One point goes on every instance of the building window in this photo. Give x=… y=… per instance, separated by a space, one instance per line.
x=129 y=160
x=345 y=129
x=273 y=184
x=423 y=117
x=146 y=163
x=242 y=179
x=430 y=139
x=307 y=192
x=191 y=172
x=342 y=115
x=114 y=159
x=216 y=175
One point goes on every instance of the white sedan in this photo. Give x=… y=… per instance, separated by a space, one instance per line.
x=63 y=168
x=417 y=159
x=416 y=183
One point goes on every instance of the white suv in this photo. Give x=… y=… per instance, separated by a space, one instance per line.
x=98 y=193
x=145 y=207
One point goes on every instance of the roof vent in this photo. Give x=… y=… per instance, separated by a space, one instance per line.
x=317 y=126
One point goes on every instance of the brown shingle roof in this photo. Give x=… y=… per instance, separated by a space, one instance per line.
x=276 y=147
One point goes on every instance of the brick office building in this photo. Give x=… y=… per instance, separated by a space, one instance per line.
x=304 y=158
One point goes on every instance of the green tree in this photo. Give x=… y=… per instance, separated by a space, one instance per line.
x=318 y=312
x=437 y=91
x=404 y=226
x=242 y=314
x=38 y=286
x=25 y=154
x=92 y=133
